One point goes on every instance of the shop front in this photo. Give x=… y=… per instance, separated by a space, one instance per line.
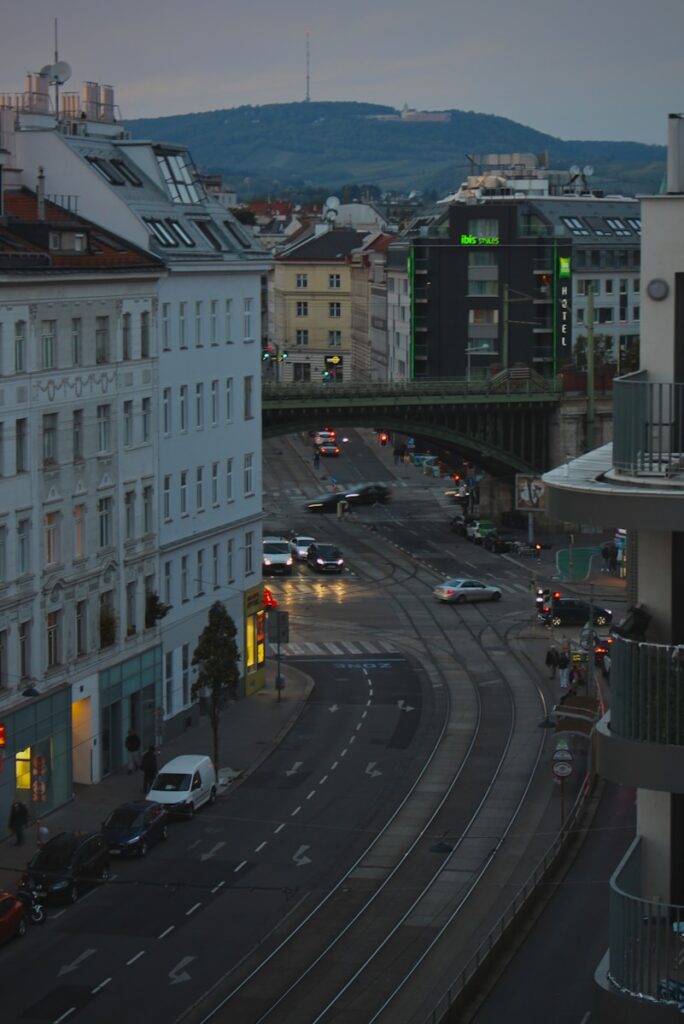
x=254 y=640
x=130 y=695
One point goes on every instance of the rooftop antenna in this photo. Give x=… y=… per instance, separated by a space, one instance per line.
x=307 y=98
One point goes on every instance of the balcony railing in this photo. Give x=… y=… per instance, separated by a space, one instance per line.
x=647 y=692
x=646 y=957
x=648 y=426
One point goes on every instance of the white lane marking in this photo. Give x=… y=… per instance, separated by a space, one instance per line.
x=192 y=909
x=344 y=752
x=65 y=1015
x=295 y=768
x=364 y=713
x=134 y=958
x=368 y=702
x=351 y=739
x=333 y=648
x=167 y=932
x=214 y=849
x=296 y=811
x=217 y=887
x=324 y=779
x=352 y=648
x=312 y=793
x=279 y=829
x=334 y=707
x=241 y=865
x=193 y=845
x=334 y=765
x=359 y=726
x=370 y=690
x=100 y=986
x=260 y=846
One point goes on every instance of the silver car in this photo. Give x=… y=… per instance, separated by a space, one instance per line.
x=460 y=591
x=299 y=546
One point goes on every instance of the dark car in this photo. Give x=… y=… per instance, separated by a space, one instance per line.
x=69 y=863
x=460 y=523
x=364 y=494
x=325 y=558
x=132 y=828
x=328 y=448
x=12 y=916
x=499 y=542
x=572 y=611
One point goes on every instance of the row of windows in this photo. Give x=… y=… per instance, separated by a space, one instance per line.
x=198 y=398
x=607 y=285
x=210 y=569
x=198 y=322
x=604 y=227
x=212 y=488
x=334 y=309
x=334 y=337
x=55 y=350
x=610 y=315
x=334 y=280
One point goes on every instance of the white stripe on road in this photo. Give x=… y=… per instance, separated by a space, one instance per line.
x=134 y=958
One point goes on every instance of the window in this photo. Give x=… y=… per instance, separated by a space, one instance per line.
x=575 y=226
x=335 y=338
x=102 y=339
x=247 y=305
x=3 y=557
x=604 y=314
x=145 y=335
x=230 y=568
x=20 y=346
x=214 y=403
x=148 y=509
x=81 y=628
x=184 y=408
x=584 y=283
x=608 y=286
x=179 y=174
x=103 y=428
x=165 y=329
x=198 y=325
x=199 y=582
x=179 y=232
x=249 y=552
x=50 y=439
x=616 y=225
x=161 y=232
x=24 y=635
x=199 y=405
x=48 y=338
x=483 y=287
x=334 y=281
x=52 y=645
x=23 y=561
x=481 y=258
x=302 y=309
x=199 y=488
x=215 y=565
x=129 y=515
x=107 y=619
x=185 y=673
x=168 y=681
x=228 y=324
x=130 y=608
x=213 y=322
x=104 y=518
x=184 y=578
x=484 y=227
x=79 y=531
x=634 y=223
x=482 y=346
x=181 y=325
x=249 y=383
x=76 y=341
x=168 y=581
x=302 y=337
x=214 y=484
x=636 y=314
x=229 y=399
x=229 y=479
x=248 y=474
x=301 y=372
x=51 y=538
x=126 y=337
x=184 y=492
x=146 y=418
x=335 y=310
x=302 y=281
x=166 y=411
x=127 y=424
x=209 y=232
x=21 y=443
x=483 y=316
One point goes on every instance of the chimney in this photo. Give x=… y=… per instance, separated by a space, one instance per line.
x=675 y=154
x=40 y=194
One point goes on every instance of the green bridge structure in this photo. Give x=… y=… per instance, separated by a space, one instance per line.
x=504 y=424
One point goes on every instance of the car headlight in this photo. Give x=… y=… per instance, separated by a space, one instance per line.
x=319 y=561
x=135 y=839
x=289 y=561
x=340 y=561
x=61 y=884
x=267 y=561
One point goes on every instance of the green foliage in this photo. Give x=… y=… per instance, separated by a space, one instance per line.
x=218 y=662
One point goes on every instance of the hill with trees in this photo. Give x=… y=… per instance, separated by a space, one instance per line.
x=285 y=147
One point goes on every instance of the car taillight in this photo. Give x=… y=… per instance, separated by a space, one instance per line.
x=449 y=592
x=546 y=608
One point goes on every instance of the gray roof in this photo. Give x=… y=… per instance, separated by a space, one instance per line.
x=336 y=244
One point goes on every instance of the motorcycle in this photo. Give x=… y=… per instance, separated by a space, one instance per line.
x=35 y=910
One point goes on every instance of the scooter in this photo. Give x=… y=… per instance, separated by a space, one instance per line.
x=34 y=908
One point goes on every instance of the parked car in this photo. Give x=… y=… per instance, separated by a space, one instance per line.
x=276 y=557
x=459 y=524
x=185 y=784
x=328 y=448
x=572 y=611
x=67 y=864
x=458 y=591
x=365 y=494
x=325 y=558
x=12 y=917
x=478 y=530
x=499 y=541
x=132 y=828
x=299 y=545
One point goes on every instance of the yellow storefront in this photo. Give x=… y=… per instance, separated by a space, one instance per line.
x=255 y=640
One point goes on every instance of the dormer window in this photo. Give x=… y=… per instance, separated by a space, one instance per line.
x=68 y=241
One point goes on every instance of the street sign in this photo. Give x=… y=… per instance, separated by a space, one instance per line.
x=278 y=627
x=561 y=769
x=562 y=755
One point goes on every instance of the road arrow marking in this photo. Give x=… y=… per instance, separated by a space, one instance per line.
x=300 y=857
x=334 y=707
x=372 y=770
x=295 y=768
x=67 y=968
x=178 y=973
x=214 y=849
x=403 y=706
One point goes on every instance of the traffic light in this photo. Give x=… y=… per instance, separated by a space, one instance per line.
x=384 y=438
x=325 y=376
x=284 y=356
x=269 y=599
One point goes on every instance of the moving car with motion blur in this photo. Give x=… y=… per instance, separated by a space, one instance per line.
x=325 y=558
x=365 y=494
x=132 y=828
x=459 y=591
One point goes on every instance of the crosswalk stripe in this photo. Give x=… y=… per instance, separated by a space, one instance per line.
x=352 y=648
x=338 y=648
x=333 y=648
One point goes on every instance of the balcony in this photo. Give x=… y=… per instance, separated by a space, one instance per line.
x=648 y=427
x=646 y=954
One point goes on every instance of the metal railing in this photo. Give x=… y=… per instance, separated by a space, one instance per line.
x=647 y=692
x=646 y=954
x=648 y=426
x=503 y=383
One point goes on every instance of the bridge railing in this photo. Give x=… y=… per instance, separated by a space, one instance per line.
x=506 y=382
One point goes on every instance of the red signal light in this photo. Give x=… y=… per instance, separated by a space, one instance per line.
x=3 y=735
x=556 y=595
x=384 y=438
x=269 y=599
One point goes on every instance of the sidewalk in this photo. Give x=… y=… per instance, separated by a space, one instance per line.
x=250 y=730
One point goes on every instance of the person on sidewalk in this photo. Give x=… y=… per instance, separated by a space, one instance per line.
x=551 y=661
x=316 y=458
x=149 y=768
x=18 y=820
x=564 y=670
x=132 y=748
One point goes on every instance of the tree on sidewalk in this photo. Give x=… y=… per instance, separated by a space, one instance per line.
x=217 y=659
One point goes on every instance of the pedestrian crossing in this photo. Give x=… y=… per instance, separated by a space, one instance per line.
x=300 y=492
x=337 y=648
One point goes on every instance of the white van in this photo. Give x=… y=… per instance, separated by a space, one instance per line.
x=185 y=784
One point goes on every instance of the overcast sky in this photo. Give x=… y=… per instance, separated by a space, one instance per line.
x=577 y=69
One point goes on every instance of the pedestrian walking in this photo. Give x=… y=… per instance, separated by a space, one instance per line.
x=149 y=768
x=552 y=661
x=132 y=749
x=18 y=820
x=316 y=458
x=563 y=670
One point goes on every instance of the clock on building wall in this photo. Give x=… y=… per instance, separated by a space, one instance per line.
x=657 y=289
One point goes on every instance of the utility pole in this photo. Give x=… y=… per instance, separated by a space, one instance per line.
x=504 y=332
x=591 y=413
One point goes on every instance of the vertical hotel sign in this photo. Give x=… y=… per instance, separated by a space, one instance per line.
x=563 y=289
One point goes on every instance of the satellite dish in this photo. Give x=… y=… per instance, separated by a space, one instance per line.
x=587 y=171
x=574 y=169
x=332 y=203
x=46 y=71
x=60 y=73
